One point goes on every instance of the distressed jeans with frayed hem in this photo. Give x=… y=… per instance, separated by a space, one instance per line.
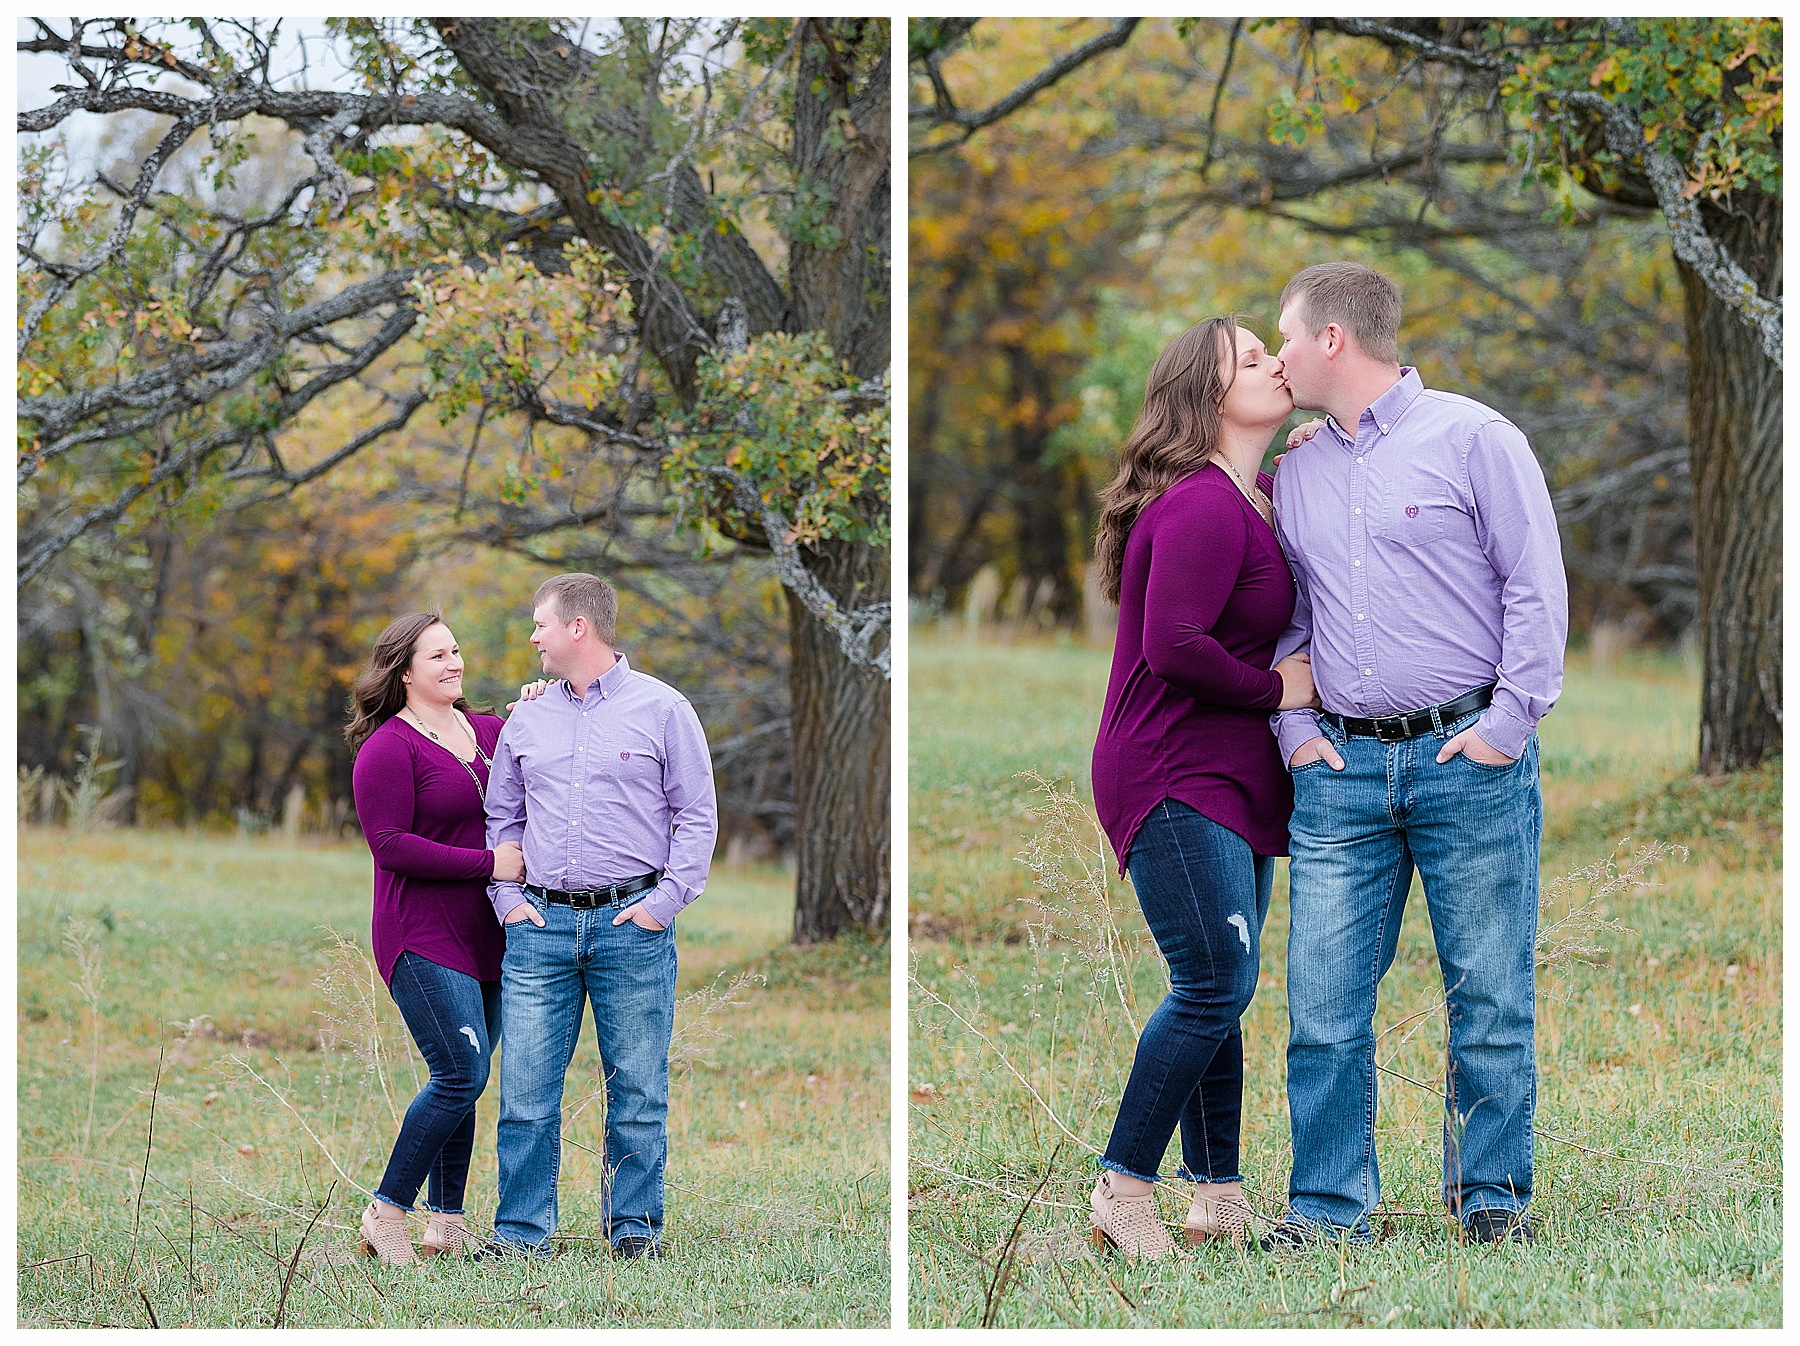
x=455 y=1021
x=1472 y=831
x=1204 y=894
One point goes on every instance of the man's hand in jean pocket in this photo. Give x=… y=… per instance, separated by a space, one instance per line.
x=1475 y=748
x=636 y=914
x=1318 y=749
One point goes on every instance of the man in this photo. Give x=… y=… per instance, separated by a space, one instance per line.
x=606 y=781
x=1433 y=603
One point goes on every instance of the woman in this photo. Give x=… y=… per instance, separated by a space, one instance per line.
x=1187 y=778
x=422 y=759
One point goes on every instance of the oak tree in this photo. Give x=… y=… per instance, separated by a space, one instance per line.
x=651 y=254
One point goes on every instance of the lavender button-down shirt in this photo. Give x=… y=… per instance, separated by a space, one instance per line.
x=604 y=787
x=1428 y=563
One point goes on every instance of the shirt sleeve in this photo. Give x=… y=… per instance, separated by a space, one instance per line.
x=694 y=814
x=1293 y=727
x=383 y=783
x=505 y=816
x=1516 y=526
x=1195 y=558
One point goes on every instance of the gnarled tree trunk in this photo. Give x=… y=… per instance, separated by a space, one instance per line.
x=1734 y=430
x=841 y=756
x=838 y=273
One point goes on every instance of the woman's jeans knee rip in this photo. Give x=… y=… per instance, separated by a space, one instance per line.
x=1204 y=895
x=455 y=1022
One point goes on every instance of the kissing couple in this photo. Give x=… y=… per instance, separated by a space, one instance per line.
x=1345 y=664
x=523 y=867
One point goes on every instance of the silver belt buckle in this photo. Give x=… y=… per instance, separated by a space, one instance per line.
x=1381 y=728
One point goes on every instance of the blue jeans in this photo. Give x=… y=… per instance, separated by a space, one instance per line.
x=1473 y=833
x=455 y=1020
x=1204 y=894
x=628 y=974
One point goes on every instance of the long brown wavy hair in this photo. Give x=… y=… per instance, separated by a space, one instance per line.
x=377 y=695
x=1176 y=433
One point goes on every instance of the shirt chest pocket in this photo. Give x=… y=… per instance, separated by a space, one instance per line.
x=625 y=760
x=1419 y=516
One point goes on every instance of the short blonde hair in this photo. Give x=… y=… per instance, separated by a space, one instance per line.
x=582 y=595
x=1362 y=301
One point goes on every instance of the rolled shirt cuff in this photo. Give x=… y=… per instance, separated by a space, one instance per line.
x=1292 y=728
x=664 y=901
x=505 y=896
x=1503 y=731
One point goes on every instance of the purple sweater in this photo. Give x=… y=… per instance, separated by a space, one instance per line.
x=1204 y=594
x=424 y=822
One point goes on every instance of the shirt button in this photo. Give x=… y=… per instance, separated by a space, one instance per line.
x=1356 y=563
x=1368 y=672
x=1359 y=460
x=1384 y=429
x=1359 y=511
x=1359 y=616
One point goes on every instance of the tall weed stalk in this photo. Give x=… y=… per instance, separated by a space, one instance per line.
x=83 y=941
x=86 y=799
x=361 y=1111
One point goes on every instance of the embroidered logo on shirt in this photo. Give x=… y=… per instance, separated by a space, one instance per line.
x=1412 y=511
x=624 y=757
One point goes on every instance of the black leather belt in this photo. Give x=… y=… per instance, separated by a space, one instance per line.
x=589 y=898
x=1395 y=728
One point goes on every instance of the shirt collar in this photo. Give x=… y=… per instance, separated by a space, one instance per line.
x=1385 y=410
x=608 y=682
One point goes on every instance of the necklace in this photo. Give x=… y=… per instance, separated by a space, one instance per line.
x=1264 y=506
x=469 y=767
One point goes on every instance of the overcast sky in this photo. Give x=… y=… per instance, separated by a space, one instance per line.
x=305 y=59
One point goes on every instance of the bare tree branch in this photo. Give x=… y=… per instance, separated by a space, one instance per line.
x=289 y=405
x=173 y=387
x=944 y=112
x=282 y=476
x=1212 y=117
x=63 y=276
x=1390 y=36
x=135 y=52
x=856 y=631
x=1624 y=135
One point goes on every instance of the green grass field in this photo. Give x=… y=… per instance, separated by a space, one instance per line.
x=1658 y=1199
x=207 y=948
